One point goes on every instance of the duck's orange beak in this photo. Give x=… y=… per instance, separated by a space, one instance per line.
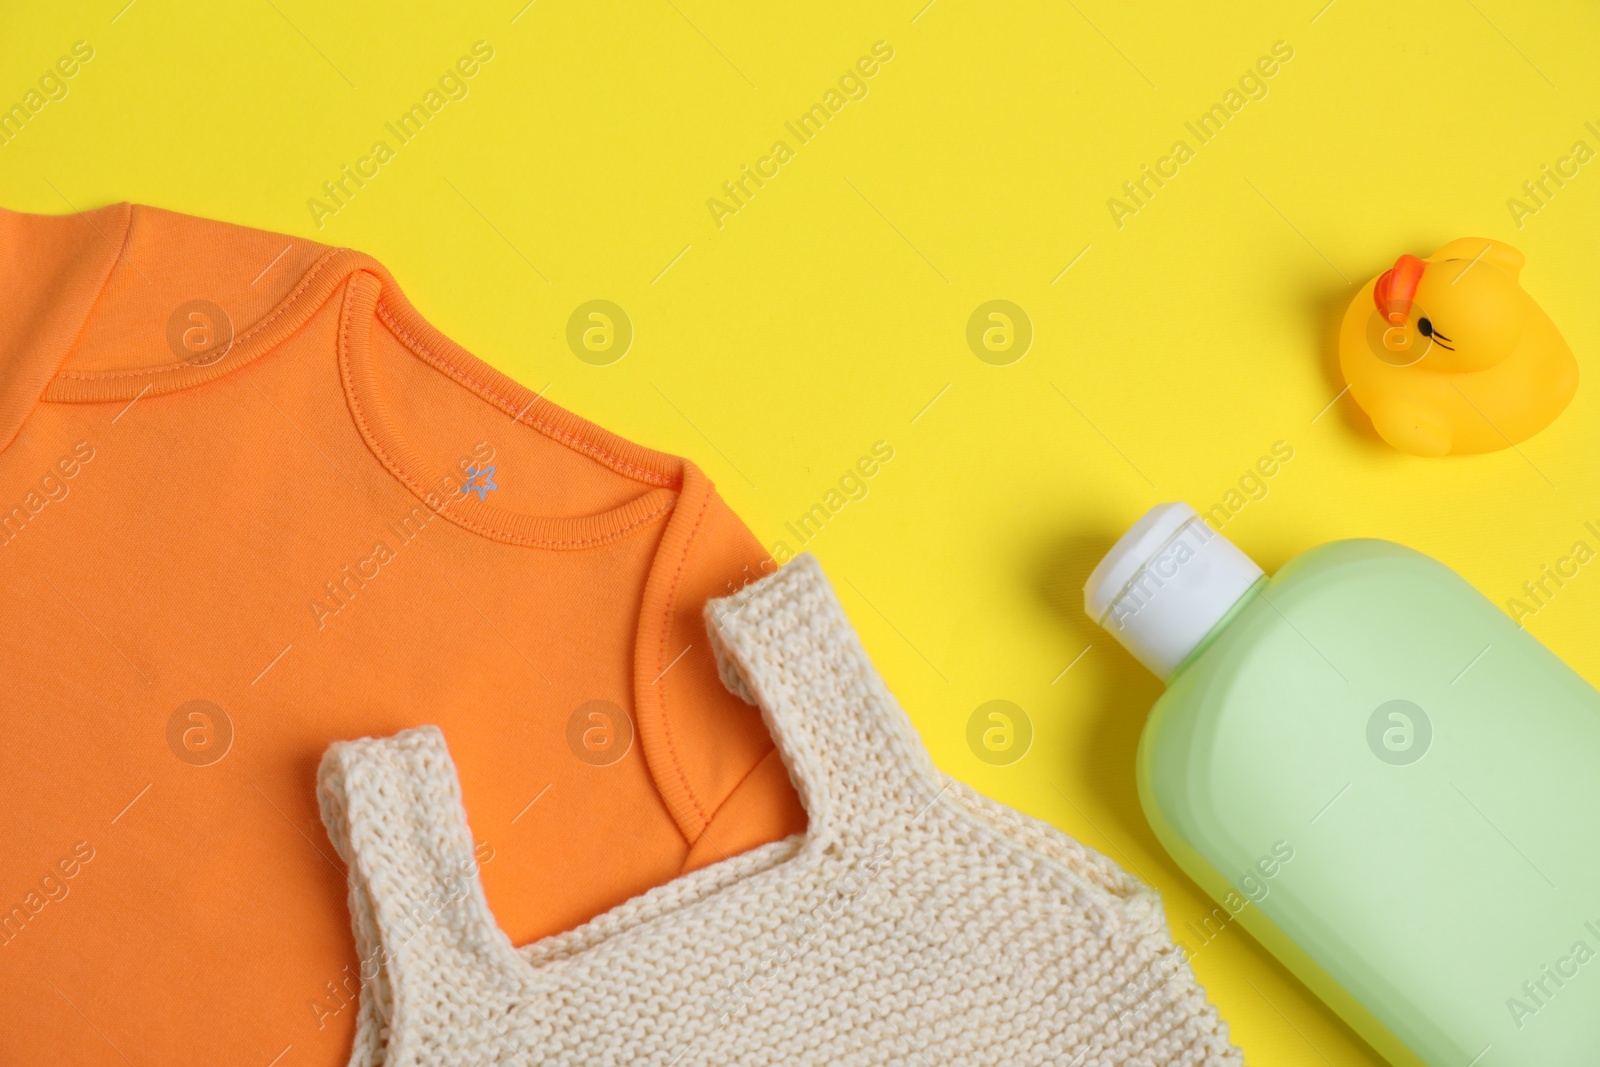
x=1397 y=288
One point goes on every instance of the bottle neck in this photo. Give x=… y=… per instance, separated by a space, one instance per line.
x=1212 y=634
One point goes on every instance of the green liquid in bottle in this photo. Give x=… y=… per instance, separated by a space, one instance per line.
x=1402 y=783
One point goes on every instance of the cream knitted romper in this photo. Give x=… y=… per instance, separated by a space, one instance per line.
x=915 y=922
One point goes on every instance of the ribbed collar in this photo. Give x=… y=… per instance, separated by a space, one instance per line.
x=52 y=269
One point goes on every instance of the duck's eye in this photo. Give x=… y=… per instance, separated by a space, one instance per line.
x=1425 y=327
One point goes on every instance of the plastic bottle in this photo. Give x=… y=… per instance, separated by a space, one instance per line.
x=1389 y=783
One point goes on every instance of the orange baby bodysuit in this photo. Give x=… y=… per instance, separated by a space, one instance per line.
x=252 y=503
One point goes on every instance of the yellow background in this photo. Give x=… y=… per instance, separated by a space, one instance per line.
x=832 y=308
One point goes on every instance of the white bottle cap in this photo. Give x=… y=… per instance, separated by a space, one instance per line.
x=1165 y=584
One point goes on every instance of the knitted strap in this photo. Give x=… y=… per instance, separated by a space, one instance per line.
x=785 y=645
x=393 y=809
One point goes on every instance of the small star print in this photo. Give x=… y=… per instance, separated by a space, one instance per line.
x=480 y=481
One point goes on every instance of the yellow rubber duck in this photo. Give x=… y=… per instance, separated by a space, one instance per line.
x=1449 y=355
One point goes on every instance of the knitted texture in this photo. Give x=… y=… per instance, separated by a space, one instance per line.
x=915 y=922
